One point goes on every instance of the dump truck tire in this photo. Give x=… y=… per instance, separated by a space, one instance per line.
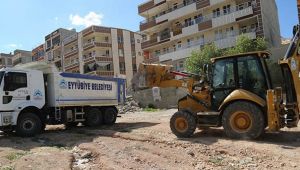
x=243 y=120
x=183 y=124
x=110 y=116
x=93 y=117
x=28 y=125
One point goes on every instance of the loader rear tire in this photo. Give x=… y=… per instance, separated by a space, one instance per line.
x=243 y=120
x=183 y=124
x=93 y=118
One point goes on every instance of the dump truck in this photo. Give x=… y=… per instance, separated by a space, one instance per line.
x=36 y=94
x=235 y=92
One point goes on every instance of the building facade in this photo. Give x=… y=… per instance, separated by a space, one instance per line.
x=172 y=29
x=103 y=51
x=38 y=53
x=21 y=57
x=53 y=46
x=5 y=60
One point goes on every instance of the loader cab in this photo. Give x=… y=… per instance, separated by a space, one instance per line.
x=244 y=71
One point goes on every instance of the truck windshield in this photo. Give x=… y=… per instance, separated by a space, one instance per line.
x=1 y=76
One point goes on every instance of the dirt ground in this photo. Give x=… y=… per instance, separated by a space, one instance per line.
x=144 y=141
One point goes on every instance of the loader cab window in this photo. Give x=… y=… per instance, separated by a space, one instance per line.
x=223 y=75
x=14 y=81
x=224 y=81
x=1 y=76
x=251 y=75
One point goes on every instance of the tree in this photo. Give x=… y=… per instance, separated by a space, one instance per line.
x=244 y=44
x=196 y=61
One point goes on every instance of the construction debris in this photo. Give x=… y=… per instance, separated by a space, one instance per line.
x=130 y=106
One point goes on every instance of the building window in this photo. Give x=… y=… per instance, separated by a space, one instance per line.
x=120 y=39
x=139 y=53
x=218 y=34
x=189 y=42
x=179 y=44
x=188 y=22
x=138 y=41
x=157 y=53
x=132 y=41
x=226 y=9
x=198 y=18
x=121 y=52
x=216 y=13
x=122 y=66
x=134 y=68
x=106 y=39
x=107 y=53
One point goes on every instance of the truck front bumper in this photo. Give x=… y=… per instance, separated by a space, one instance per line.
x=7 y=119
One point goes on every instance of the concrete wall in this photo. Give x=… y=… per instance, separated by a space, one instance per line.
x=169 y=98
x=271 y=22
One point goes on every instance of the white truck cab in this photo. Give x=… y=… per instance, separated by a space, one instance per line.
x=36 y=94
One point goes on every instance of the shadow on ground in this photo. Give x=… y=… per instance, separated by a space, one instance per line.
x=67 y=138
x=285 y=139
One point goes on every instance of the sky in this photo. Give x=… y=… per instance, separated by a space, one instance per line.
x=25 y=23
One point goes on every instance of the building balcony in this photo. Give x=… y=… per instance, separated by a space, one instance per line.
x=94 y=29
x=150 y=5
x=178 y=11
x=70 y=53
x=226 y=41
x=98 y=58
x=70 y=39
x=71 y=65
x=149 y=43
x=231 y=40
x=101 y=73
x=90 y=45
x=240 y=12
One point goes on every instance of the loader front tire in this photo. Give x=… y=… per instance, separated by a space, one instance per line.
x=183 y=124
x=243 y=120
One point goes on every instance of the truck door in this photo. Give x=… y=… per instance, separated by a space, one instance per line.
x=15 y=89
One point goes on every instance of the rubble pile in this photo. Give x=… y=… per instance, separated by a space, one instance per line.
x=130 y=106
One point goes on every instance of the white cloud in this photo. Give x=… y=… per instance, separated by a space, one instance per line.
x=91 y=18
x=56 y=18
x=14 y=45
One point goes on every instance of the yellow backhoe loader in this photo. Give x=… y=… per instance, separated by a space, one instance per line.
x=236 y=93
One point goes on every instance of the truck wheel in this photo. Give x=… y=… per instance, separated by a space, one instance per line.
x=183 y=124
x=28 y=125
x=93 y=117
x=243 y=120
x=110 y=116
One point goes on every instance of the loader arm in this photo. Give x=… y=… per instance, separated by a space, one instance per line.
x=154 y=75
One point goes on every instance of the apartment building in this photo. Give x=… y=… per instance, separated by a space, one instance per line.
x=53 y=46
x=5 y=60
x=38 y=53
x=172 y=29
x=21 y=57
x=103 y=51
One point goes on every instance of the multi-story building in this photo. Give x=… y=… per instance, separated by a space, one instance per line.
x=38 y=53
x=53 y=46
x=21 y=57
x=174 y=28
x=103 y=51
x=5 y=60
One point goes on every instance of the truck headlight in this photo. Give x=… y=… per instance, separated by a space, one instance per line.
x=7 y=120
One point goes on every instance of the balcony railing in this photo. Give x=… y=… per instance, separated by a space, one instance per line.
x=72 y=64
x=101 y=73
x=201 y=19
x=97 y=44
x=70 y=39
x=201 y=43
x=70 y=52
x=103 y=58
x=168 y=11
